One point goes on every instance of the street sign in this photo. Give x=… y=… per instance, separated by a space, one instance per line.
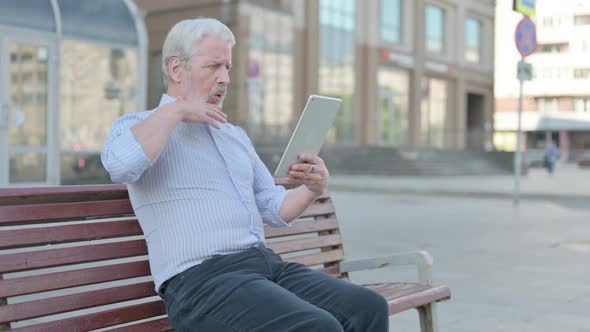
x=526 y=37
x=525 y=71
x=526 y=7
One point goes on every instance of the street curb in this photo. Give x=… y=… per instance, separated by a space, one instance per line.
x=460 y=193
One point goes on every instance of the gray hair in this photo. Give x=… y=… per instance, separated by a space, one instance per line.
x=182 y=39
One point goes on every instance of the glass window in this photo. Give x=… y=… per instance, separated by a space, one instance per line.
x=434 y=112
x=548 y=105
x=392 y=119
x=435 y=29
x=28 y=94
x=582 y=105
x=553 y=48
x=548 y=21
x=391 y=21
x=107 y=20
x=581 y=73
x=28 y=167
x=473 y=37
x=336 y=78
x=98 y=85
x=582 y=19
x=31 y=14
x=270 y=75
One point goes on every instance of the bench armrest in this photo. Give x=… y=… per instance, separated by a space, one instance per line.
x=422 y=260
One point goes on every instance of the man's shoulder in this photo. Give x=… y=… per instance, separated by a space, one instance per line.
x=131 y=119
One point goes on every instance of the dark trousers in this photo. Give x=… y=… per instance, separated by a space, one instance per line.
x=255 y=290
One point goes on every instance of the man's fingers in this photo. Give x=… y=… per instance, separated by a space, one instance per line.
x=310 y=158
x=305 y=176
x=293 y=180
x=216 y=116
x=307 y=168
x=213 y=123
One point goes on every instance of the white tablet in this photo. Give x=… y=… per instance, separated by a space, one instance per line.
x=310 y=132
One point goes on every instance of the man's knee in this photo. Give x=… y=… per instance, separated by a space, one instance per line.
x=372 y=314
x=320 y=321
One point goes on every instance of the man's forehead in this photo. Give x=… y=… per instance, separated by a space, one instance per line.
x=212 y=41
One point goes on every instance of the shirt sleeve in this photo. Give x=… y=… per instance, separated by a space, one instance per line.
x=122 y=156
x=269 y=197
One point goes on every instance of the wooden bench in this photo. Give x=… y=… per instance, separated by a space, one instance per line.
x=73 y=258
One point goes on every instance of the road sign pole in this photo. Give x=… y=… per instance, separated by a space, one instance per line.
x=526 y=43
x=517 y=151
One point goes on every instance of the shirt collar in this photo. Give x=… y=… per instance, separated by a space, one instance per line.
x=166 y=99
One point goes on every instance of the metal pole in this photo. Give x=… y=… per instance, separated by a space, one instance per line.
x=517 y=152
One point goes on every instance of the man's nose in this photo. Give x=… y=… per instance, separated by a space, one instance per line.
x=223 y=78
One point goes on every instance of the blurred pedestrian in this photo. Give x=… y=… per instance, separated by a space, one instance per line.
x=551 y=157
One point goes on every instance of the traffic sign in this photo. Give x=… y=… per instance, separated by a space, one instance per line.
x=527 y=7
x=526 y=37
x=525 y=71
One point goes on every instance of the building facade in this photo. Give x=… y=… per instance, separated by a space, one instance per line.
x=556 y=103
x=410 y=72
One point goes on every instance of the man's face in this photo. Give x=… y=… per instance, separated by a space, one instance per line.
x=208 y=78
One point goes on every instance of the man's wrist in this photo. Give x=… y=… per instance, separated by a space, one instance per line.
x=312 y=193
x=172 y=111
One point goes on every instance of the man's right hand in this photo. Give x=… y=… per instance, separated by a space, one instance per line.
x=199 y=111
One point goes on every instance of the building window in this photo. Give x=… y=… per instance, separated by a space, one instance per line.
x=392 y=118
x=391 y=21
x=582 y=105
x=336 y=77
x=473 y=37
x=548 y=105
x=434 y=112
x=270 y=74
x=582 y=19
x=548 y=21
x=435 y=29
x=581 y=73
x=553 y=48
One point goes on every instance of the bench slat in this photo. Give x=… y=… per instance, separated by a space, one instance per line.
x=333 y=270
x=80 y=190
x=305 y=244
x=72 y=255
x=393 y=291
x=158 y=325
x=38 y=213
x=318 y=209
x=317 y=259
x=61 y=280
x=100 y=319
x=64 y=194
x=410 y=295
x=301 y=228
x=60 y=304
x=19 y=238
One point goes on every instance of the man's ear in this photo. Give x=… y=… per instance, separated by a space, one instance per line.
x=175 y=67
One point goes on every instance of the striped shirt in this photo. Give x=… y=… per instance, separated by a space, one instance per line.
x=208 y=193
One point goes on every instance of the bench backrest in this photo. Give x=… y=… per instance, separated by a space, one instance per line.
x=74 y=258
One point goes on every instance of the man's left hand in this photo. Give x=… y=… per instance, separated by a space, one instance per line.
x=311 y=172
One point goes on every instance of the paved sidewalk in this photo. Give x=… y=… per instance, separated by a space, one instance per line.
x=569 y=182
x=509 y=269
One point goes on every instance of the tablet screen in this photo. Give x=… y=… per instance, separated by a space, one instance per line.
x=310 y=133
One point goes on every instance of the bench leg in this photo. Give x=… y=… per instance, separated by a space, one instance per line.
x=428 y=320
